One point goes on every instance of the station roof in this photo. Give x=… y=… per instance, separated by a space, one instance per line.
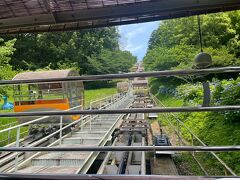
x=22 y=16
x=45 y=74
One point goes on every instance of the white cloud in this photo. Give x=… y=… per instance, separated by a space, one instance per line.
x=128 y=36
x=134 y=37
x=135 y=32
x=131 y=31
x=132 y=48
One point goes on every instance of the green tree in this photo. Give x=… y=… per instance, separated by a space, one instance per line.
x=58 y=49
x=234 y=43
x=176 y=42
x=6 y=51
x=111 y=62
x=221 y=29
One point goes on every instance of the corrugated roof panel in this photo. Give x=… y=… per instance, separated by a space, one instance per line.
x=16 y=15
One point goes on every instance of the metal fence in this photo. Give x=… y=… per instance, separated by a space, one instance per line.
x=198 y=72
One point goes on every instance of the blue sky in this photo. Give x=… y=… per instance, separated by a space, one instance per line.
x=134 y=37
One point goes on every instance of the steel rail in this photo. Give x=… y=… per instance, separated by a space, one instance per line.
x=123 y=148
x=106 y=159
x=90 y=159
x=123 y=111
x=185 y=72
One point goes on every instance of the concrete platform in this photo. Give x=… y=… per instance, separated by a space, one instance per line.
x=60 y=159
x=133 y=169
x=163 y=165
x=52 y=169
x=85 y=140
x=92 y=134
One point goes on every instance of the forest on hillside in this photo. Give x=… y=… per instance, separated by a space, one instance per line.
x=94 y=51
x=173 y=46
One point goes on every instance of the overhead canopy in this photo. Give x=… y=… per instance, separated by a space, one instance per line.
x=45 y=74
x=21 y=16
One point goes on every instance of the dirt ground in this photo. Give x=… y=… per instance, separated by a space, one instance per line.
x=155 y=127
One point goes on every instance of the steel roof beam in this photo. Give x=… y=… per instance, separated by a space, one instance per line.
x=162 y=7
x=137 y=12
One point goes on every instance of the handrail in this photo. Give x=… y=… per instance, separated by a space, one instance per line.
x=123 y=111
x=60 y=131
x=123 y=148
x=9 y=124
x=102 y=99
x=195 y=136
x=35 y=120
x=185 y=72
x=69 y=125
x=48 y=176
x=47 y=90
x=99 y=100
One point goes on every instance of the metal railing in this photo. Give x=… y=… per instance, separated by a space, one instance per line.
x=187 y=72
x=98 y=103
x=42 y=118
x=193 y=135
x=123 y=111
x=196 y=72
x=39 y=119
x=84 y=121
x=123 y=148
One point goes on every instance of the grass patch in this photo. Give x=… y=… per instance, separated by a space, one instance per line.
x=210 y=131
x=91 y=95
x=169 y=100
x=10 y=136
x=186 y=165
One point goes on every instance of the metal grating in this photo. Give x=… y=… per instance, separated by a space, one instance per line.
x=21 y=16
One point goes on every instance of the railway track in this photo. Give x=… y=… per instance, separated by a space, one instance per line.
x=131 y=132
x=161 y=164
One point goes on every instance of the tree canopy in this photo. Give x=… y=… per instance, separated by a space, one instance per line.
x=176 y=42
x=94 y=51
x=6 y=51
x=221 y=29
x=82 y=50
